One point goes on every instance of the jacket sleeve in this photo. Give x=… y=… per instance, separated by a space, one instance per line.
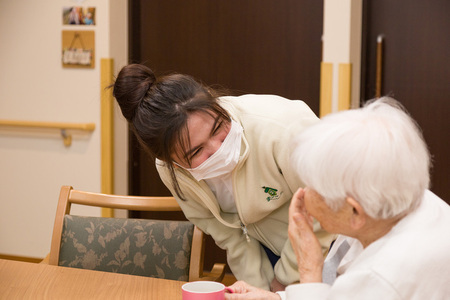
x=366 y=284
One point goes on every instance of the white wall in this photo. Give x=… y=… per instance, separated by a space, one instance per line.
x=34 y=86
x=118 y=46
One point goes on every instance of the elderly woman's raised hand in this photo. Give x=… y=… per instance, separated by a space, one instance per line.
x=304 y=242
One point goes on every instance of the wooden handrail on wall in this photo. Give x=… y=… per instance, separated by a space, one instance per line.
x=56 y=125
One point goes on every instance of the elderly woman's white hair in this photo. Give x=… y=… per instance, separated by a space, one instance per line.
x=375 y=154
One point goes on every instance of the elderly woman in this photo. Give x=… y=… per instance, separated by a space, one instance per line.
x=367 y=176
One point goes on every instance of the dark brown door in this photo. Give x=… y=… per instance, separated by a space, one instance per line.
x=416 y=70
x=246 y=46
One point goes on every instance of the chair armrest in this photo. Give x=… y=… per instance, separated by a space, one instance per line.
x=216 y=274
x=46 y=260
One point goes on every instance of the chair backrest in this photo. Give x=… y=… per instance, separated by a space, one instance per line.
x=155 y=248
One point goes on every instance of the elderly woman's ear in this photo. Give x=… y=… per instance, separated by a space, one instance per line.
x=358 y=215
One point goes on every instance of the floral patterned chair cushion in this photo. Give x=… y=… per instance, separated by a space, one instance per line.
x=150 y=248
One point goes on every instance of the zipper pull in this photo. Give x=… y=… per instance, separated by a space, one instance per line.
x=245 y=231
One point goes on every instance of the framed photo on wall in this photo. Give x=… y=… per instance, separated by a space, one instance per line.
x=78 y=49
x=78 y=15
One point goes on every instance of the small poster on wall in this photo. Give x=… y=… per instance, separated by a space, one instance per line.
x=77 y=15
x=78 y=49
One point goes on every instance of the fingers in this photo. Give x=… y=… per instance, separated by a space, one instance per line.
x=233 y=296
x=297 y=209
x=297 y=203
x=298 y=197
x=276 y=286
x=240 y=290
x=239 y=287
x=250 y=293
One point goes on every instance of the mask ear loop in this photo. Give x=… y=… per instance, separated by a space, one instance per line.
x=176 y=165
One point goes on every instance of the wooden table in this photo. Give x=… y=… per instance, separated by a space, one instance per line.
x=22 y=280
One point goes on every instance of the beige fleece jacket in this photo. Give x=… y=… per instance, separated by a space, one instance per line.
x=263 y=184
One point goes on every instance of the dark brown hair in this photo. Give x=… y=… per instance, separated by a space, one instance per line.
x=157 y=109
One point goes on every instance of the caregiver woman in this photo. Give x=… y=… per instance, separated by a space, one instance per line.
x=226 y=161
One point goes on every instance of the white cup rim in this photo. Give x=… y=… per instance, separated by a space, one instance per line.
x=192 y=287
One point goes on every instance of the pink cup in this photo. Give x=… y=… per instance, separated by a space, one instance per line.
x=203 y=290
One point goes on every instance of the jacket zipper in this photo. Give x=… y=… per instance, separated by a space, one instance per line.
x=245 y=231
x=243 y=227
x=233 y=176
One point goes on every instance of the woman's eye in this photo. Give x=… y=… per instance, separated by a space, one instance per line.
x=217 y=128
x=196 y=152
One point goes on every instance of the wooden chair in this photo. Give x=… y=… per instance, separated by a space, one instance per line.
x=86 y=245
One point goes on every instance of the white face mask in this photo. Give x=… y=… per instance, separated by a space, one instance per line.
x=224 y=159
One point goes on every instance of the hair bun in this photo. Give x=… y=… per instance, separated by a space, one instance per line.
x=131 y=86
